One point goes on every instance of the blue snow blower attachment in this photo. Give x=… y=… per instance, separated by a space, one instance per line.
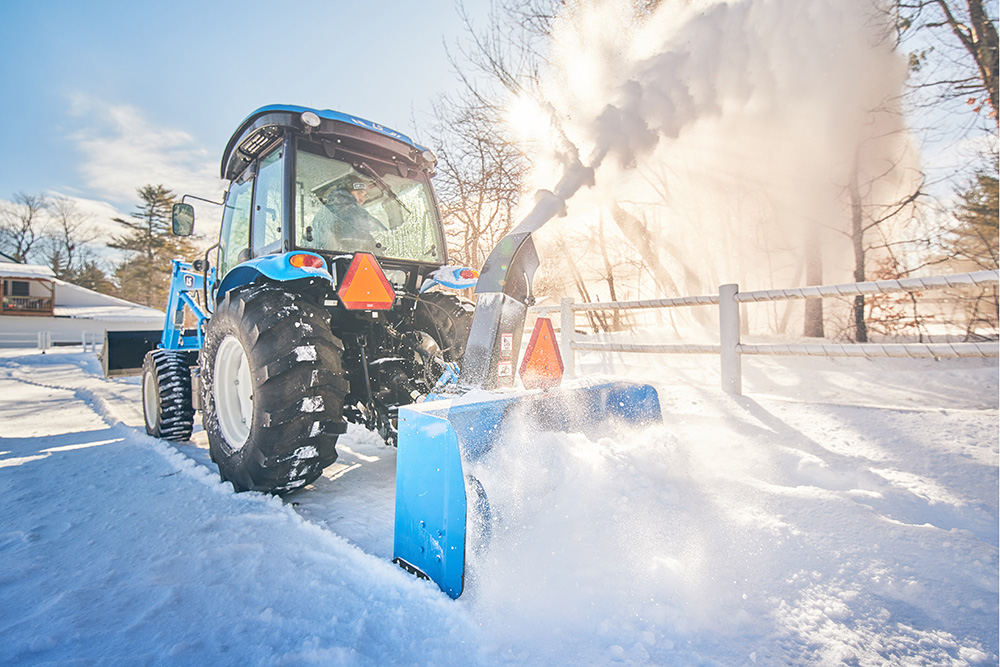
x=439 y=440
x=443 y=437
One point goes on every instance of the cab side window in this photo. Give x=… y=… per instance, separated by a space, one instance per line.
x=267 y=213
x=235 y=235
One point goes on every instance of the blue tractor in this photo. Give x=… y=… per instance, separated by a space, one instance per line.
x=318 y=308
x=327 y=304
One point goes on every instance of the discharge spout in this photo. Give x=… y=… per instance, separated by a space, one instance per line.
x=504 y=288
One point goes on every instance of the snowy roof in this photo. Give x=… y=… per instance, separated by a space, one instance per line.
x=15 y=270
x=82 y=303
x=111 y=312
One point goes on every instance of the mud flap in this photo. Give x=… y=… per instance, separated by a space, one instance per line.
x=440 y=439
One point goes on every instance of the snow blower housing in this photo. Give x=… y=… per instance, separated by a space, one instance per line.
x=326 y=303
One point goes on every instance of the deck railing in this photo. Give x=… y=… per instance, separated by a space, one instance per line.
x=26 y=305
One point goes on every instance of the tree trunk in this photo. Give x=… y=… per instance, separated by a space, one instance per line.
x=609 y=276
x=639 y=236
x=813 y=326
x=858 y=241
x=980 y=40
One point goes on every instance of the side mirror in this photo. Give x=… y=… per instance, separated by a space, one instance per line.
x=183 y=219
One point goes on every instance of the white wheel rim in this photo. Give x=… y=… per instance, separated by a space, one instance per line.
x=233 y=392
x=150 y=400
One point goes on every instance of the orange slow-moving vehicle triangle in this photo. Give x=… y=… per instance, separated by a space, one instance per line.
x=542 y=366
x=365 y=287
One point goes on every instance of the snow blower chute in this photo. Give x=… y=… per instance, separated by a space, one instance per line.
x=442 y=437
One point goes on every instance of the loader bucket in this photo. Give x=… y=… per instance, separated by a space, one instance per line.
x=440 y=439
x=124 y=351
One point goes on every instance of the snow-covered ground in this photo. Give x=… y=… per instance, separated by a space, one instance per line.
x=843 y=512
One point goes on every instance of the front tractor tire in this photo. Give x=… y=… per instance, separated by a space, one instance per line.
x=273 y=387
x=448 y=319
x=166 y=395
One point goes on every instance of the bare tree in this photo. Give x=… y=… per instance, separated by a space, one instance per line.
x=965 y=64
x=479 y=174
x=69 y=232
x=482 y=167
x=22 y=224
x=869 y=215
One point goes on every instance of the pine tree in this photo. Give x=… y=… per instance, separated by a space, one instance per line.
x=144 y=275
x=974 y=238
x=93 y=277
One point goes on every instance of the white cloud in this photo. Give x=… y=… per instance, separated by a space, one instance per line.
x=123 y=151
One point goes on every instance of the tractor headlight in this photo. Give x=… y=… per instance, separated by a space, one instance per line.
x=309 y=119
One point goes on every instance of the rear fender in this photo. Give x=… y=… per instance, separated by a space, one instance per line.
x=276 y=268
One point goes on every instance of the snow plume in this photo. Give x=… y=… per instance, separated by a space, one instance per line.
x=720 y=128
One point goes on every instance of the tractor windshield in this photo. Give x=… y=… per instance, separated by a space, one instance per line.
x=342 y=207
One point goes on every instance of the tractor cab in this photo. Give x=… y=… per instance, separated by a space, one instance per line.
x=332 y=184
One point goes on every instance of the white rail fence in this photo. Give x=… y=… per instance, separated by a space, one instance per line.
x=731 y=349
x=43 y=340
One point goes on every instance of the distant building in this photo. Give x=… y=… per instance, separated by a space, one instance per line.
x=34 y=300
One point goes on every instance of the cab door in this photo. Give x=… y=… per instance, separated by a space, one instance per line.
x=234 y=237
x=268 y=203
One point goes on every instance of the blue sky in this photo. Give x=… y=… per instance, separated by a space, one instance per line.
x=102 y=97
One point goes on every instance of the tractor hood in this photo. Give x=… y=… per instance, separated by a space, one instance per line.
x=262 y=128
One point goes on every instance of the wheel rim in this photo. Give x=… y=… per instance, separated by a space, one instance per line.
x=150 y=400
x=233 y=392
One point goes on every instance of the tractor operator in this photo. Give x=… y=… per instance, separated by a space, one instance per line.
x=344 y=222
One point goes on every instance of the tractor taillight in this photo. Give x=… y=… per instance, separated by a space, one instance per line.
x=306 y=261
x=365 y=287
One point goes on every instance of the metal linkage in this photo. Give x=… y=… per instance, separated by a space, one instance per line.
x=976 y=279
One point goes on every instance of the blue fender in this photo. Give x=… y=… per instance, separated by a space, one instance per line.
x=453 y=277
x=274 y=267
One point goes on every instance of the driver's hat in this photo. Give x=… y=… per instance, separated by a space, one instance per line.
x=354 y=183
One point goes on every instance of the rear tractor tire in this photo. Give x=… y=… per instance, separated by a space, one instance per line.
x=166 y=395
x=273 y=387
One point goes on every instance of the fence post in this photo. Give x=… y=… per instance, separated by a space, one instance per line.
x=567 y=323
x=729 y=339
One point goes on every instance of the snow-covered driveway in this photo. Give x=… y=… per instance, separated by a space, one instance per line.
x=787 y=527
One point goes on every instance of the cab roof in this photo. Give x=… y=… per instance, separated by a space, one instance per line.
x=333 y=123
